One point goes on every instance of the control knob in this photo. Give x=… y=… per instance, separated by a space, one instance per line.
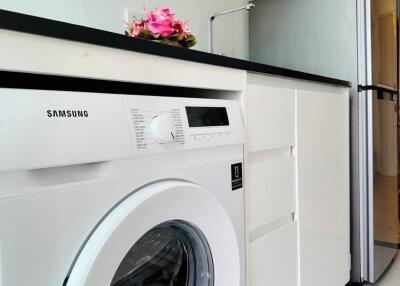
x=163 y=129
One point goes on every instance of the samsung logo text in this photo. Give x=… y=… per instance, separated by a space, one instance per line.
x=67 y=113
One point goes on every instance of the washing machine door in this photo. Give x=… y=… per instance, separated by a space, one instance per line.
x=170 y=233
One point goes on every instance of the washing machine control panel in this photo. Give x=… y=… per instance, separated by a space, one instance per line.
x=166 y=123
x=79 y=127
x=152 y=127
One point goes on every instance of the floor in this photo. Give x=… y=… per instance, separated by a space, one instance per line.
x=392 y=276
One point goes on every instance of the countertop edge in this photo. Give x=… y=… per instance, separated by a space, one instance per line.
x=66 y=31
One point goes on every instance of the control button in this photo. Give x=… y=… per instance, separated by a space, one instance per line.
x=163 y=129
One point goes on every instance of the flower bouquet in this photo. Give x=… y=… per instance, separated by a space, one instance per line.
x=161 y=26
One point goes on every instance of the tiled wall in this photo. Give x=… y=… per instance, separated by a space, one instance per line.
x=231 y=31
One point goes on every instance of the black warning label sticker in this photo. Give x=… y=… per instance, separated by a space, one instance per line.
x=237 y=176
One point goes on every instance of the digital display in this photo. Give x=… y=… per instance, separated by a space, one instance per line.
x=199 y=116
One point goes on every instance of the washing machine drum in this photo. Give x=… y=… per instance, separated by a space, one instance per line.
x=170 y=233
x=172 y=253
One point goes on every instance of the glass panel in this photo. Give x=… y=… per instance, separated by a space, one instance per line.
x=385 y=192
x=384 y=43
x=174 y=253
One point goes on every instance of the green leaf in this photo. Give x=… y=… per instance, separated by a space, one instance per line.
x=145 y=34
x=170 y=42
x=175 y=37
x=190 y=41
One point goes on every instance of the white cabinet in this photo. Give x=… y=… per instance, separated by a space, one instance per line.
x=273 y=258
x=270 y=116
x=297 y=183
x=323 y=187
x=272 y=187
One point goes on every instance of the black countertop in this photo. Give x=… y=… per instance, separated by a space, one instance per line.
x=56 y=29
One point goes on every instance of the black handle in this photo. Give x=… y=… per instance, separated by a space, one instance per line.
x=380 y=90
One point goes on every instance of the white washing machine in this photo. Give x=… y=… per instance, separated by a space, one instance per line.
x=120 y=190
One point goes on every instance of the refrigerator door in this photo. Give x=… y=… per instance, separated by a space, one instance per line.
x=376 y=229
x=383 y=150
x=383 y=220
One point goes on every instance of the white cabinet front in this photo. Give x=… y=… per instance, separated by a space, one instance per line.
x=270 y=115
x=274 y=258
x=323 y=172
x=272 y=190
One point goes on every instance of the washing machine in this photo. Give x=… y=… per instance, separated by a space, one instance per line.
x=120 y=190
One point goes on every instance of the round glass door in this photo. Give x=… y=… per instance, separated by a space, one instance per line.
x=174 y=253
x=138 y=244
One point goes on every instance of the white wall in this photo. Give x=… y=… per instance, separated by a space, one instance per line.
x=231 y=31
x=316 y=36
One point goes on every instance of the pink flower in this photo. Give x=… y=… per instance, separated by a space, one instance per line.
x=160 y=25
x=182 y=28
x=161 y=13
x=160 y=21
x=135 y=30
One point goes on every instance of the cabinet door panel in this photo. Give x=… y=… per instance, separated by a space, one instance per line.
x=271 y=188
x=270 y=117
x=273 y=258
x=323 y=187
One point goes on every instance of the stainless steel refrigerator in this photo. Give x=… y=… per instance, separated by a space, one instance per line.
x=375 y=224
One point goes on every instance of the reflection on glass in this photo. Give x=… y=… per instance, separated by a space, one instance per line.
x=385 y=135
x=385 y=158
x=384 y=43
x=174 y=253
